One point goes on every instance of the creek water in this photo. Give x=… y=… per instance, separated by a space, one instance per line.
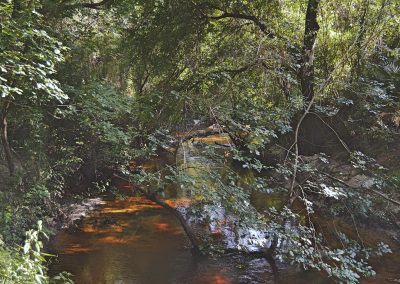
x=135 y=241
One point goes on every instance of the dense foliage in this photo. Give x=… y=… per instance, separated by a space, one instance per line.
x=307 y=91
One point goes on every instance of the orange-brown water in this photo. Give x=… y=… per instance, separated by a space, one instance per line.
x=134 y=241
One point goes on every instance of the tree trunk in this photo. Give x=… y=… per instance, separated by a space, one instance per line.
x=4 y=140
x=307 y=58
x=189 y=233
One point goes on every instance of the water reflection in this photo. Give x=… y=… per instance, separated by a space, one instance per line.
x=145 y=245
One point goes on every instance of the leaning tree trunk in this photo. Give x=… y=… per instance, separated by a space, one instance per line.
x=186 y=227
x=307 y=77
x=4 y=139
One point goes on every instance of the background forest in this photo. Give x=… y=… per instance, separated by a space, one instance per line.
x=308 y=92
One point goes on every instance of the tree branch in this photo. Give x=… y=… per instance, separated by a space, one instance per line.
x=258 y=22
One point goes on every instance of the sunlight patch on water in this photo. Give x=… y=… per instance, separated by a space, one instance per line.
x=220 y=279
x=119 y=240
x=90 y=228
x=76 y=248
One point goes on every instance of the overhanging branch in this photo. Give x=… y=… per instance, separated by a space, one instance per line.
x=258 y=22
x=235 y=15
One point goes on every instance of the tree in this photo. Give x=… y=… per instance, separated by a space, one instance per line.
x=28 y=59
x=307 y=56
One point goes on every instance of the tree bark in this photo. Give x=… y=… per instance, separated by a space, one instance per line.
x=307 y=58
x=4 y=139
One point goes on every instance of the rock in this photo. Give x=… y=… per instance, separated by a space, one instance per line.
x=73 y=215
x=361 y=181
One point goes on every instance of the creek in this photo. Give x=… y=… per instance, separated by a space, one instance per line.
x=135 y=241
